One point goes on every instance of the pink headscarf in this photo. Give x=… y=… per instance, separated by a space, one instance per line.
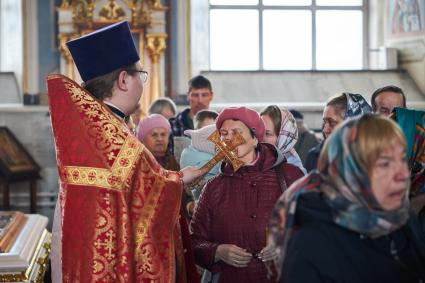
x=151 y=122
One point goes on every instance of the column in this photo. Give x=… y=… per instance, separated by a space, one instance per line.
x=30 y=76
x=156 y=45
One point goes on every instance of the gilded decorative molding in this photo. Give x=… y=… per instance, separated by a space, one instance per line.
x=156 y=44
x=13 y=277
x=65 y=4
x=43 y=262
x=146 y=19
x=63 y=39
x=157 y=5
x=112 y=11
x=44 y=249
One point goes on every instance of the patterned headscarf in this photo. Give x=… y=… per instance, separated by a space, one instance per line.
x=346 y=186
x=288 y=134
x=413 y=124
x=356 y=105
x=287 y=138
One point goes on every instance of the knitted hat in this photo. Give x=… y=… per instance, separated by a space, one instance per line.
x=103 y=51
x=151 y=122
x=247 y=116
x=199 y=138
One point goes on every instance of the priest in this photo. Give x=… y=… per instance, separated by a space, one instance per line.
x=117 y=213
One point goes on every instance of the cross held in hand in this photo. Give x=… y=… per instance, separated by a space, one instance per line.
x=225 y=150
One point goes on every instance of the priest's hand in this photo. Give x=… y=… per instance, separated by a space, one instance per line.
x=190 y=173
x=233 y=255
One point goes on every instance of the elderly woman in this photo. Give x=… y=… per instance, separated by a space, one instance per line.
x=163 y=106
x=337 y=109
x=282 y=131
x=231 y=218
x=350 y=221
x=154 y=132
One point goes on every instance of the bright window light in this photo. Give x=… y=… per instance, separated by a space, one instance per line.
x=233 y=2
x=287 y=40
x=339 y=40
x=286 y=2
x=339 y=2
x=234 y=39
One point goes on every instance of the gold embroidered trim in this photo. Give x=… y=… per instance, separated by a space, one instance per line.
x=118 y=147
x=113 y=178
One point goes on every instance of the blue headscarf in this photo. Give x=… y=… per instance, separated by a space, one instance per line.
x=412 y=122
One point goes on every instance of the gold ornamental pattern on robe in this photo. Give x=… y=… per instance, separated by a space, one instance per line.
x=119 y=207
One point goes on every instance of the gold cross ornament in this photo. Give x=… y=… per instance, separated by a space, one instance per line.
x=225 y=150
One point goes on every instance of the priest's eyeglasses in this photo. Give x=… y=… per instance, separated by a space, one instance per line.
x=143 y=74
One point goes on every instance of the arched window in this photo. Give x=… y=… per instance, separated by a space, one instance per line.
x=287 y=34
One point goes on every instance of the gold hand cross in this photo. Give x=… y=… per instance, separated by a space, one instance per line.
x=225 y=150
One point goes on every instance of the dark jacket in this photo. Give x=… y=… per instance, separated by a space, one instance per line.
x=180 y=123
x=321 y=251
x=306 y=141
x=168 y=161
x=313 y=157
x=235 y=208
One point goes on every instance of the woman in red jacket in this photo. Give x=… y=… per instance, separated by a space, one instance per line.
x=230 y=220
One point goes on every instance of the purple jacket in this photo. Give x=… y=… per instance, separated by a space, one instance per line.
x=235 y=208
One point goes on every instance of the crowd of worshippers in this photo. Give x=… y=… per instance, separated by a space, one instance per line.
x=347 y=205
x=282 y=206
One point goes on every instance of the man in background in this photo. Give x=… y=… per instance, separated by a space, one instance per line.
x=386 y=98
x=199 y=96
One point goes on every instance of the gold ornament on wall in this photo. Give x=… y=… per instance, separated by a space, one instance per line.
x=156 y=44
x=79 y=17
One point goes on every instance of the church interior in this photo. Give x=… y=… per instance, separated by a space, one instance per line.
x=294 y=54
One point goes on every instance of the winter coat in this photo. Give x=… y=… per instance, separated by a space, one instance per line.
x=235 y=208
x=321 y=251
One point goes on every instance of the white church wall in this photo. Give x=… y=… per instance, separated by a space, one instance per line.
x=304 y=90
x=409 y=41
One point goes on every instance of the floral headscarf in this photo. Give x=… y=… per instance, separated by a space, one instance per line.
x=346 y=187
x=412 y=123
x=287 y=138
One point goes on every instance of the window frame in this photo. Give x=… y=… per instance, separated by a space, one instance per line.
x=313 y=8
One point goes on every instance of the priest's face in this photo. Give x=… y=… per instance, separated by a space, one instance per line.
x=137 y=79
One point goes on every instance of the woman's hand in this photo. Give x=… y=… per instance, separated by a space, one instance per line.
x=233 y=255
x=268 y=253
